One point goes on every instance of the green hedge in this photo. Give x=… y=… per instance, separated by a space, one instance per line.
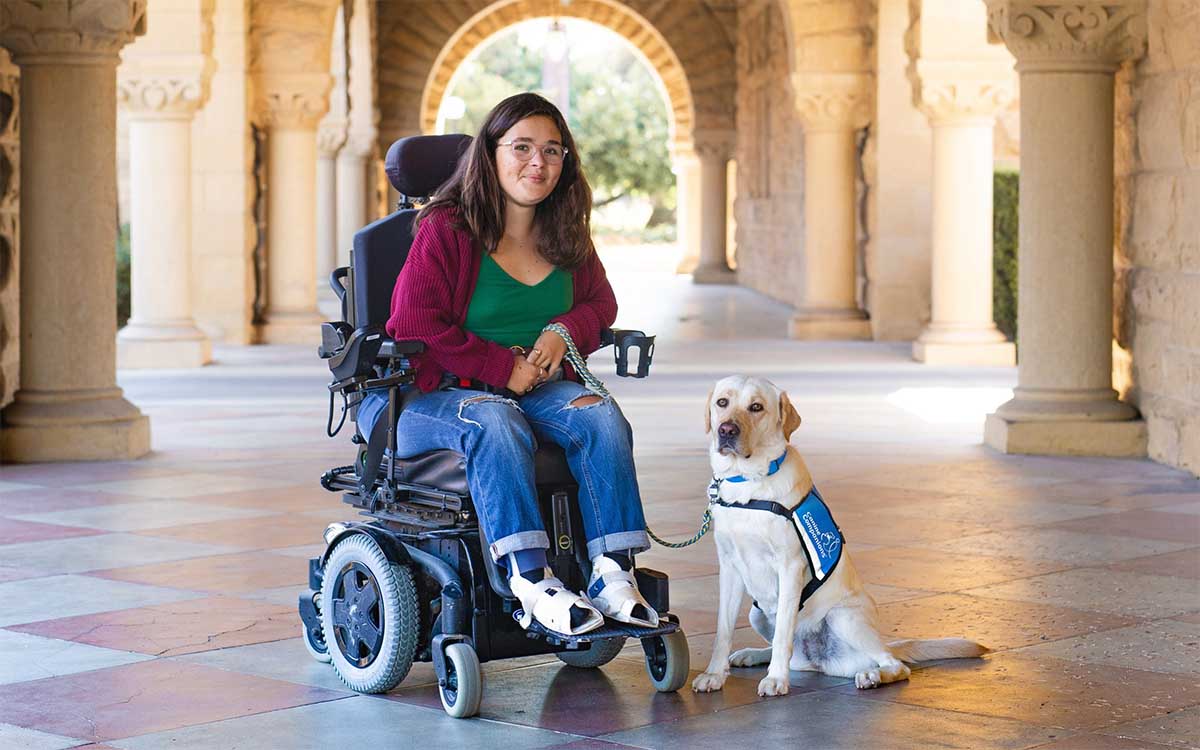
x=1004 y=252
x=122 y=275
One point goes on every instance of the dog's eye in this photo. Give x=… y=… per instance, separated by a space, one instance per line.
x=756 y=407
x=722 y=402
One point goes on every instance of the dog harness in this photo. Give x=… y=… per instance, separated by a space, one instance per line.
x=820 y=537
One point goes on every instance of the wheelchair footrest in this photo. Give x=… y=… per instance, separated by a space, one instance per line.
x=610 y=629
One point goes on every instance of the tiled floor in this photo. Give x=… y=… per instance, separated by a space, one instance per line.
x=151 y=604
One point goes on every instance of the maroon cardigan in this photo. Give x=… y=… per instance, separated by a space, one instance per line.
x=433 y=291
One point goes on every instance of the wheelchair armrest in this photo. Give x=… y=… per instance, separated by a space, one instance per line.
x=392 y=348
x=624 y=340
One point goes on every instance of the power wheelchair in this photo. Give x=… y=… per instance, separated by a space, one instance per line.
x=413 y=580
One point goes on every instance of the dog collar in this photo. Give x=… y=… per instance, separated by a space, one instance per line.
x=773 y=468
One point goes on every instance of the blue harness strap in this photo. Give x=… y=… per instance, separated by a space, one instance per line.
x=820 y=537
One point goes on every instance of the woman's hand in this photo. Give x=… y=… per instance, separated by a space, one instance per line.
x=525 y=375
x=548 y=352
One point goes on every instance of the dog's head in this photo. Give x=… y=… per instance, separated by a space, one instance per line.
x=748 y=419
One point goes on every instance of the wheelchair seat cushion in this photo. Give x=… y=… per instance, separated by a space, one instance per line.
x=446 y=470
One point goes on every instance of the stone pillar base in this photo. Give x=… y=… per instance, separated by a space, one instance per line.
x=144 y=347
x=73 y=426
x=291 y=328
x=992 y=354
x=714 y=275
x=1126 y=439
x=849 y=325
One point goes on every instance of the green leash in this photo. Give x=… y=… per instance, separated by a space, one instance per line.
x=594 y=385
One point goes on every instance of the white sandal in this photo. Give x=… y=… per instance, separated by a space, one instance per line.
x=614 y=592
x=549 y=602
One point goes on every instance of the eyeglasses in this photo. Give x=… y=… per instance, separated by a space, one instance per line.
x=523 y=150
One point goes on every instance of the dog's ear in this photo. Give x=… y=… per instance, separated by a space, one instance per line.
x=788 y=416
x=708 y=411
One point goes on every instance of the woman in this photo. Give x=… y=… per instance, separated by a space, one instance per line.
x=503 y=250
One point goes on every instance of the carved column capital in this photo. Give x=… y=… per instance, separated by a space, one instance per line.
x=80 y=31
x=362 y=142
x=961 y=91
x=331 y=135
x=291 y=100
x=709 y=144
x=832 y=101
x=1070 y=36
x=164 y=87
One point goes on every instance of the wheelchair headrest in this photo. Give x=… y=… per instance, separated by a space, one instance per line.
x=420 y=164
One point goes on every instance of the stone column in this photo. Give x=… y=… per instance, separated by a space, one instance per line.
x=352 y=190
x=290 y=105
x=1067 y=55
x=961 y=101
x=354 y=210
x=69 y=406
x=713 y=150
x=329 y=140
x=687 y=205
x=832 y=107
x=162 y=82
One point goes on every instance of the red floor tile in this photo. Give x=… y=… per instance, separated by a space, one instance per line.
x=13 y=531
x=220 y=574
x=1143 y=524
x=151 y=696
x=176 y=628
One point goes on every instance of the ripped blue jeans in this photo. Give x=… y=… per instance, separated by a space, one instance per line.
x=499 y=436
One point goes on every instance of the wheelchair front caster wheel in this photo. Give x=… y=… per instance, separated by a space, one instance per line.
x=315 y=644
x=462 y=690
x=667 y=661
x=369 y=615
x=600 y=653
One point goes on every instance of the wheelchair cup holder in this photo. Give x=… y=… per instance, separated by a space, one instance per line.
x=623 y=341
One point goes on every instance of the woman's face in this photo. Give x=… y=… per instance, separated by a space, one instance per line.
x=527 y=183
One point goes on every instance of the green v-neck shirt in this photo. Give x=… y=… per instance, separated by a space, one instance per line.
x=511 y=313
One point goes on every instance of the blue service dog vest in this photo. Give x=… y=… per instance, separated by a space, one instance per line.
x=820 y=537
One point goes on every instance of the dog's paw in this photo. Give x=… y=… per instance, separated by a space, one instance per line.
x=707 y=682
x=868 y=679
x=750 y=657
x=773 y=686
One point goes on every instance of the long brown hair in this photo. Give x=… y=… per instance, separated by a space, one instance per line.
x=562 y=219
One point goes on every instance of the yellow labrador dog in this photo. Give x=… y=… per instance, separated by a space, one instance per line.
x=777 y=542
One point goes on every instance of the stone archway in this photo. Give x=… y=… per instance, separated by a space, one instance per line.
x=690 y=45
x=643 y=36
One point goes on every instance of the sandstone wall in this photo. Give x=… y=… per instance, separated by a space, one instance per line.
x=1158 y=238
x=769 y=208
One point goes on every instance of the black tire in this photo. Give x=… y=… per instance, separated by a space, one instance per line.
x=314 y=638
x=601 y=653
x=669 y=662
x=369 y=615
x=463 y=691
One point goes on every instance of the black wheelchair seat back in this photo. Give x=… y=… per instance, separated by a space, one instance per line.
x=416 y=167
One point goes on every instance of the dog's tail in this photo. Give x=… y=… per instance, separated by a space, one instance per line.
x=915 y=650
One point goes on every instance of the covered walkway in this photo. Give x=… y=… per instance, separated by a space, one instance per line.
x=151 y=604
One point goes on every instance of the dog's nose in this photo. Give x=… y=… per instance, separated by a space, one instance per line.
x=729 y=430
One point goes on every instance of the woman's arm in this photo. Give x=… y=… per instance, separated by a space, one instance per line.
x=422 y=309
x=595 y=306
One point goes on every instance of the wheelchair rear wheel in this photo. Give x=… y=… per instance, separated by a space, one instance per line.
x=369 y=615
x=600 y=653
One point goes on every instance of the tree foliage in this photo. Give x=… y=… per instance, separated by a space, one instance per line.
x=617 y=115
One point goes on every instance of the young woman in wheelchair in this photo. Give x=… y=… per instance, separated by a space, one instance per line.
x=501 y=251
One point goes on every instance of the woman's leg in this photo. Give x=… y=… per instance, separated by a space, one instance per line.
x=599 y=447
x=598 y=443
x=499 y=445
